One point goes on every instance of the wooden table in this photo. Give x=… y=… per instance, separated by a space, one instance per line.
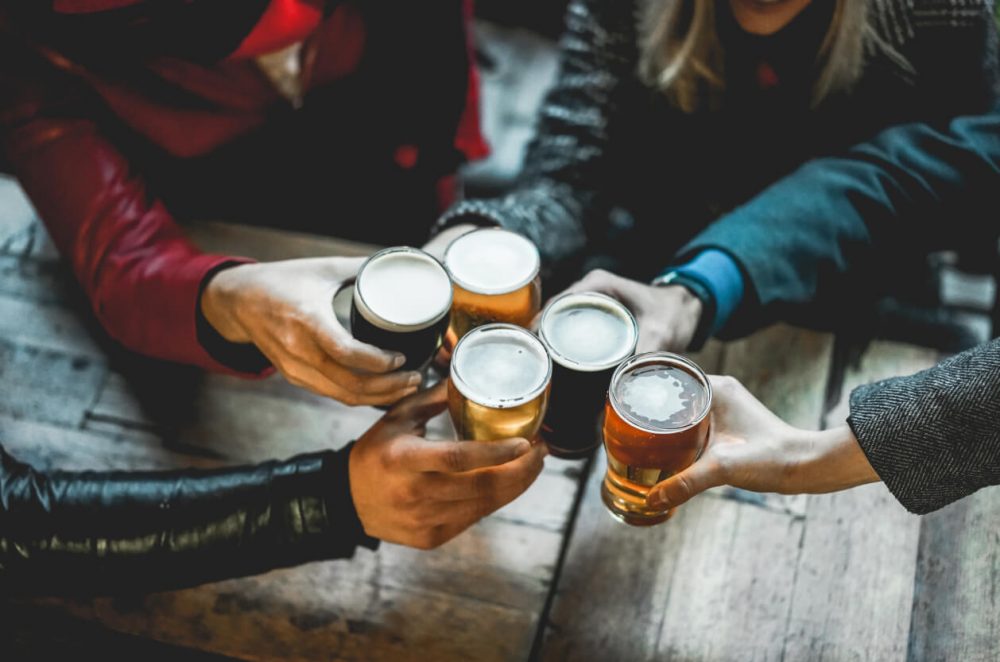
x=734 y=576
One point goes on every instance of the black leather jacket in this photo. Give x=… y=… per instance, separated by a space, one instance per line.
x=65 y=533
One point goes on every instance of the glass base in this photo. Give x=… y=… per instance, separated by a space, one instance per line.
x=630 y=508
x=574 y=454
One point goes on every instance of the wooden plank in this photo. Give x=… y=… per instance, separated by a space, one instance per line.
x=711 y=583
x=47 y=385
x=854 y=580
x=956 y=602
x=21 y=232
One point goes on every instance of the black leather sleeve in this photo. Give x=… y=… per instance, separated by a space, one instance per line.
x=65 y=533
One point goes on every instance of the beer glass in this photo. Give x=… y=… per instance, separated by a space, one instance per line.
x=402 y=297
x=588 y=335
x=655 y=424
x=499 y=383
x=495 y=276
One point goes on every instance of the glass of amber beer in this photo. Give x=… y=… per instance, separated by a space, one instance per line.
x=495 y=276
x=656 y=424
x=499 y=385
x=588 y=335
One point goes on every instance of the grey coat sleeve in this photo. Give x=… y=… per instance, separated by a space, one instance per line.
x=934 y=437
x=556 y=197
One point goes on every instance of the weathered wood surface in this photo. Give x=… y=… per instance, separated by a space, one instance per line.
x=68 y=398
x=734 y=575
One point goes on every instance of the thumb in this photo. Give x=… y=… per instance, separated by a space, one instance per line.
x=680 y=487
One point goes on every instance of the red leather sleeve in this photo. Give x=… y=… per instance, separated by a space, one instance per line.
x=141 y=274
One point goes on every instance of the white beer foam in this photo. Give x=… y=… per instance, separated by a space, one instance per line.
x=656 y=396
x=588 y=330
x=492 y=261
x=499 y=367
x=405 y=289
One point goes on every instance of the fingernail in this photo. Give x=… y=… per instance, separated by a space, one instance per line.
x=656 y=500
x=398 y=361
x=414 y=379
x=522 y=446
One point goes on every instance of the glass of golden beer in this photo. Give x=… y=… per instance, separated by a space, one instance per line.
x=495 y=276
x=499 y=385
x=656 y=424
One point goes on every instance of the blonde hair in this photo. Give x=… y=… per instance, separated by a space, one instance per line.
x=680 y=52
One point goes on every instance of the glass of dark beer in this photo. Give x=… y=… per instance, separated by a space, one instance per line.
x=656 y=423
x=495 y=275
x=588 y=335
x=402 y=299
x=499 y=383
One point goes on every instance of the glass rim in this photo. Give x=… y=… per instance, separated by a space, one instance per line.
x=559 y=358
x=494 y=291
x=659 y=357
x=377 y=320
x=507 y=403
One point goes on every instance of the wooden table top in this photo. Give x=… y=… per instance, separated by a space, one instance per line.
x=733 y=576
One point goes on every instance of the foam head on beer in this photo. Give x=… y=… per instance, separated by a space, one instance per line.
x=492 y=261
x=500 y=366
x=403 y=290
x=588 y=331
x=661 y=397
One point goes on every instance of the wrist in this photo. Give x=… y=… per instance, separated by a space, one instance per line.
x=831 y=460
x=220 y=299
x=439 y=243
x=687 y=304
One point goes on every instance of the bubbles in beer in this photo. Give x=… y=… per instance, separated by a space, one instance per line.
x=501 y=368
x=492 y=261
x=404 y=288
x=662 y=396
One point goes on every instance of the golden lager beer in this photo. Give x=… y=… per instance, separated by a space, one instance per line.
x=495 y=276
x=588 y=335
x=499 y=385
x=655 y=424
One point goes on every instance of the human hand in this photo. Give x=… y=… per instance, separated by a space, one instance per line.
x=421 y=493
x=668 y=315
x=751 y=448
x=286 y=310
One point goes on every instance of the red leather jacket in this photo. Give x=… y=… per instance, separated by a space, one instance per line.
x=140 y=272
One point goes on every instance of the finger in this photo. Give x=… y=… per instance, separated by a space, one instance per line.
x=491 y=487
x=305 y=376
x=346 y=350
x=680 y=487
x=364 y=382
x=455 y=456
x=414 y=411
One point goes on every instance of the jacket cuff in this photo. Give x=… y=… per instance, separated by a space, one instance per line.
x=340 y=511
x=238 y=358
x=718 y=272
x=474 y=212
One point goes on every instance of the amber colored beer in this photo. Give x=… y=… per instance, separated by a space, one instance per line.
x=656 y=423
x=495 y=276
x=499 y=383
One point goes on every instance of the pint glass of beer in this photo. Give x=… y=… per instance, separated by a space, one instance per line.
x=495 y=273
x=499 y=385
x=402 y=297
x=655 y=424
x=588 y=335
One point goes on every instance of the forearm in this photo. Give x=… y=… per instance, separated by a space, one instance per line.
x=103 y=533
x=556 y=199
x=829 y=461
